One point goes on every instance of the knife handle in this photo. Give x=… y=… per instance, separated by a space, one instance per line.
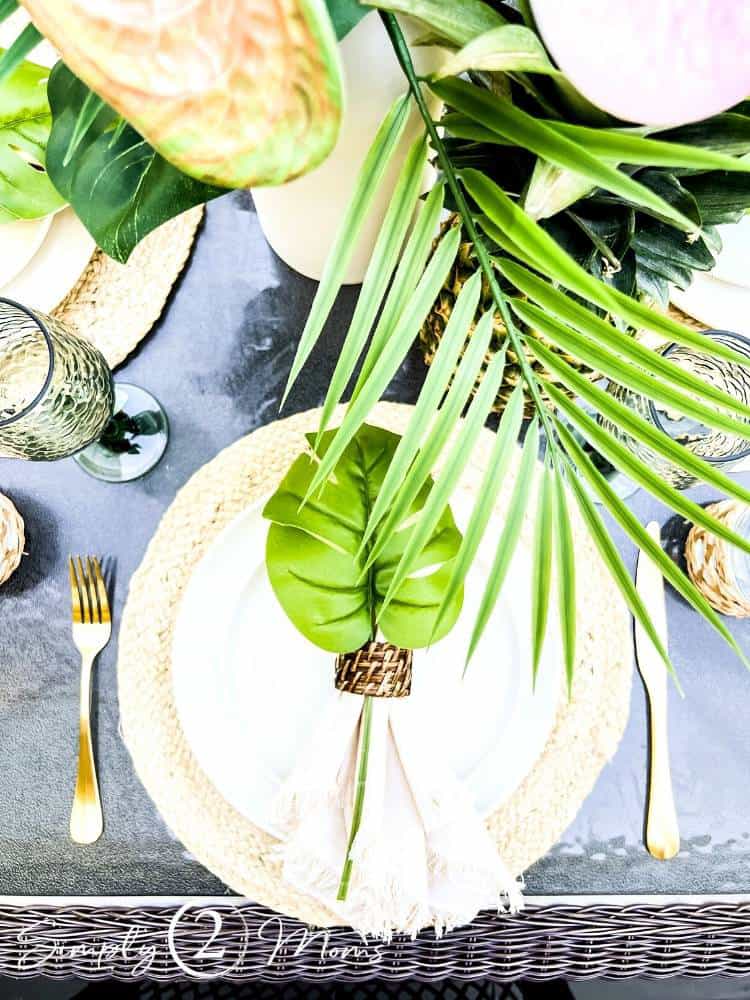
x=662 y=831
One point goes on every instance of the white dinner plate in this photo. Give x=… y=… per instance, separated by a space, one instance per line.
x=19 y=241
x=249 y=688
x=55 y=267
x=719 y=304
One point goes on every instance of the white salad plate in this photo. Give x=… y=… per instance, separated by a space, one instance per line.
x=55 y=267
x=719 y=304
x=19 y=241
x=42 y=277
x=249 y=688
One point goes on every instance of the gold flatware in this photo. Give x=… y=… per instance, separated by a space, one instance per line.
x=662 y=831
x=92 y=627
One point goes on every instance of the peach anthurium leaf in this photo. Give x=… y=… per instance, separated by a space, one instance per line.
x=234 y=94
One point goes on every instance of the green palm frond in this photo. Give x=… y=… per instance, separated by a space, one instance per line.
x=557 y=311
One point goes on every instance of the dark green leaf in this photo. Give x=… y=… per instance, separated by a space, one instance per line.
x=345 y=15
x=120 y=190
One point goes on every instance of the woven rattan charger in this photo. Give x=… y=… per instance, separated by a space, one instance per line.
x=586 y=733
x=115 y=305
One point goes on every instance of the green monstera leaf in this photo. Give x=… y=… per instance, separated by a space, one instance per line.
x=26 y=191
x=316 y=558
x=118 y=185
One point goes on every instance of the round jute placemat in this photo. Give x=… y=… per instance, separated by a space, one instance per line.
x=115 y=305
x=586 y=733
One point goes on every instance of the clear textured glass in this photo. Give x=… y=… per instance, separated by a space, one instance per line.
x=56 y=392
x=709 y=443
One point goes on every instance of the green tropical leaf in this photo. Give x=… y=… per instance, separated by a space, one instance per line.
x=511 y=228
x=582 y=319
x=635 y=530
x=14 y=55
x=497 y=466
x=503 y=117
x=728 y=132
x=509 y=48
x=622 y=146
x=566 y=575
x=345 y=15
x=439 y=376
x=552 y=188
x=26 y=192
x=624 y=460
x=541 y=566
x=511 y=532
x=625 y=374
x=408 y=273
x=440 y=430
x=393 y=353
x=121 y=190
x=7 y=7
x=90 y=108
x=457 y=22
x=368 y=180
x=437 y=502
x=379 y=271
x=607 y=548
x=638 y=428
x=315 y=564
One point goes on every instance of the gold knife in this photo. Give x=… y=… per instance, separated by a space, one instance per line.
x=662 y=831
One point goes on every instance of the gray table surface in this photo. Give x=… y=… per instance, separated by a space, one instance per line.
x=218 y=360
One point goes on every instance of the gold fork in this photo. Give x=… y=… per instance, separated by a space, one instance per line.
x=92 y=626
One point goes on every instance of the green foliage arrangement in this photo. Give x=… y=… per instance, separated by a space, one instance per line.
x=561 y=311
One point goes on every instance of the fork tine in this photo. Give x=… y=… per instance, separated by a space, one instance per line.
x=75 y=595
x=102 y=590
x=83 y=590
x=96 y=615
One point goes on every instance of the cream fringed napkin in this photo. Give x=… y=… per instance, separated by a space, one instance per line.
x=421 y=857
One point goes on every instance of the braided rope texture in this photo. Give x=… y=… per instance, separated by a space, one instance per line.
x=377 y=669
x=547 y=942
x=709 y=562
x=115 y=305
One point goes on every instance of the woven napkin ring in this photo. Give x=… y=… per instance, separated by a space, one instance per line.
x=709 y=562
x=378 y=669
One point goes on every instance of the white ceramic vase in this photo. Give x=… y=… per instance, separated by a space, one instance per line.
x=300 y=219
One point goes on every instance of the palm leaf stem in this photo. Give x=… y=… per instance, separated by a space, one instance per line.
x=404 y=57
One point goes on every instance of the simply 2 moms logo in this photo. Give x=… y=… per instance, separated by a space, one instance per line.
x=203 y=941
